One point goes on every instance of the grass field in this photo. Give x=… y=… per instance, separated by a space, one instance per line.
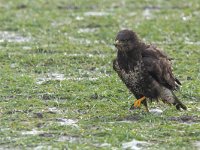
x=57 y=86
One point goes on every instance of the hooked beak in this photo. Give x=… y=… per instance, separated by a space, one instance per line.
x=117 y=43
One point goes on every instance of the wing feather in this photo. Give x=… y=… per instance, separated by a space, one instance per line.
x=158 y=65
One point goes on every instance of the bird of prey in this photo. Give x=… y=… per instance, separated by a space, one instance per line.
x=145 y=70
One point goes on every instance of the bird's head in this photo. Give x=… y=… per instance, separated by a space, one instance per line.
x=126 y=40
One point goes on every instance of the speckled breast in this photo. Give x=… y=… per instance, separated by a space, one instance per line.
x=132 y=78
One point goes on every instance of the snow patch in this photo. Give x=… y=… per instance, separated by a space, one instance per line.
x=103 y=145
x=26 y=47
x=68 y=138
x=67 y=122
x=197 y=144
x=54 y=110
x=156 y=111
x=85 y=55
x=79 y=18
x=198 y=108
x=41 y=147
x=192 y=43
x=61 y=22
x=50 y=76
x=87 y=30
x=81 y=79
x=61 y=77
x=134 y=145
x=32 y=132
x=80 y=40
x=147 y=14
x=96 y=13
x=12 y=37
x=123 y=121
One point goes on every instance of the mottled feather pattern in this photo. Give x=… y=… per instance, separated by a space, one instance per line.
x=133 y=78
x=144 y=69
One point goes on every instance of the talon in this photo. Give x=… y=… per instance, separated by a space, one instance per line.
x=137 y=103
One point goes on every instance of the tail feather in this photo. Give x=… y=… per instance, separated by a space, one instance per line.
x=177 y=81
x=177 y=84
x=178 y=103
x=168 y=96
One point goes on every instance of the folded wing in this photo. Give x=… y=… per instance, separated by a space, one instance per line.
x=159 y=67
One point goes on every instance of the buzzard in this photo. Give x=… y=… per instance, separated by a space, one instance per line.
x=145 y=70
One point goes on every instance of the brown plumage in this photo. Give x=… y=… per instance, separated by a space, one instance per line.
x=145 y=70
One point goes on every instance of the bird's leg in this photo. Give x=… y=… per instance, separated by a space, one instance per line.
x=137 y=103
x=144 y=102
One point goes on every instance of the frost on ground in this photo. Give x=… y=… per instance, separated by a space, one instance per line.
x=103 y=145
x=80 y=41
x=54 y=110
x=50 y=76
x=32 y=132
x=60 y=77
x=134 y=145
x=197 y=144
x=85 y=55
x=147 y=14
x=84 y=78
x=96 y=13
x=7 y=36
x=41 y=147
x=156 y=111
x=82 y=75
x=69 y=139
x=67 y=122
x=87 y=30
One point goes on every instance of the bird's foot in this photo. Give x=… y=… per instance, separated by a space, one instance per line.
x=137 y=103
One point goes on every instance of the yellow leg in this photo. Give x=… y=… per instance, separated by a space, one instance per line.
x=137 y=103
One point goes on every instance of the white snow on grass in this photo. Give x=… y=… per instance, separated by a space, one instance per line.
x=54 y=110
x=134 y=145
x=156 y=111
x=60 y=77
x=67 y=122
x=8 y=36
x=85 y=55
x=103 y=145
x=87 y=30
x=197 y=144
x=68 y=139
x=90 y=13
x=42 y=147
x=50 y=76
x=32 y=132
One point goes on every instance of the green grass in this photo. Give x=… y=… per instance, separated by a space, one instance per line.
x=91 y=94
